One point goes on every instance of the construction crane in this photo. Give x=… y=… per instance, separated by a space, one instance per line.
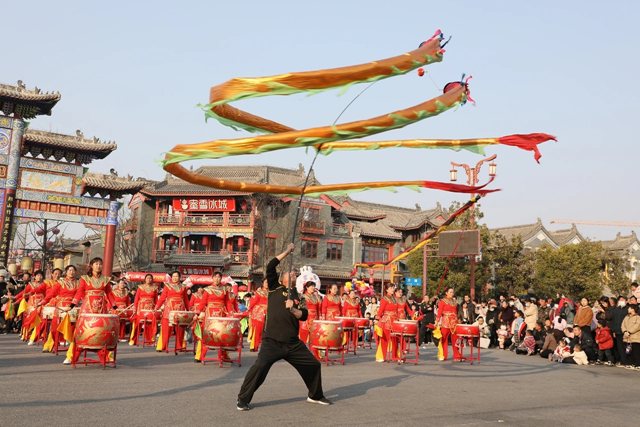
x=587 y=222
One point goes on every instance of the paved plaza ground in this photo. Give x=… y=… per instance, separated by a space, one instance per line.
x=156 y=389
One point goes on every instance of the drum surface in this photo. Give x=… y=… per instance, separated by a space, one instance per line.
x=327 y=334
x=405 y=327
x=467 y=331
x=182 y=318
x=221 y=332
x=96 y=331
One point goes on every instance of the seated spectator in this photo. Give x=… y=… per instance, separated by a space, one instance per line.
x=560 y=322
x=503 y=334
x=550 y=344
x=528 y=345
x=578 y=357
x=604 y=340
x=485 y=331
x=561 y=352
x=539 y=334
x=585 y=341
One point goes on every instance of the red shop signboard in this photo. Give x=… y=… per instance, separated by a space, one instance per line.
x=209 y=204
x=201 y=271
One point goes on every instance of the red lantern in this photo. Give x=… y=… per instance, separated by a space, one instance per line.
x=371 y=272
x=205 y=240
x=50 y=243
x=20 y=251
x=56 y=231
x=243 y=205
x=40 y=232
x=241 y=241
x=172 y=240
x=371 y=280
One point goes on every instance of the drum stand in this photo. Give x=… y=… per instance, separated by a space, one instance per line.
x=327 y=350
x=350 y=345
x=86 y=361
x=470 y=359
x=404 y=347
x=180 y=348
x=143 y=324
x=221 y=354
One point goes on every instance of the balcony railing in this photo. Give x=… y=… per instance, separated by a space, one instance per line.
x=205 y=220
x=341 y=230
x=312 y=227
x=160 y=256
x=235 y=257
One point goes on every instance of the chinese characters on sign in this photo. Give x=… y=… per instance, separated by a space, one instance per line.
x=202 y=271
x=205 y=205
x=378 y=242
x=6 y=225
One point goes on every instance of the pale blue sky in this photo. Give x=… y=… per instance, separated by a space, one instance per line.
x=133 y=72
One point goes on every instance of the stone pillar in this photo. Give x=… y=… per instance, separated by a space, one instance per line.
x=110 y=238
x=11 y=135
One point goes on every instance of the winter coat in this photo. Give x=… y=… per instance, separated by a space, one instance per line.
x=584 y=317
x=604 y=338
x=580 y=357
x=492 y=318
x=570 y=312
x=531 y=316
x=631 y=324
x=506 y=316
x=619 y=313
x=544 y=313
x=606 y=317
x=550 y=343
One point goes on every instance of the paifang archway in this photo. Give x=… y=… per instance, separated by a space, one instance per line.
x=43 y=174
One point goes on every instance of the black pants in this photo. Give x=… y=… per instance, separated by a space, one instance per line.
x=423 y=332
x=545 y=353
x=294 y=352
x=621 y=346
x=605 y=354
x=634 y=357
x=591 y=353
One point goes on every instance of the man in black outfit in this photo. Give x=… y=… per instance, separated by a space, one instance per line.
x=280 y=339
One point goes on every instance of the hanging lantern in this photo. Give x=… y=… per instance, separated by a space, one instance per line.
x=243 y=205
x=58 y=263
x=20 y=251
x=492 y=169
x=205 y=240
x=26 y=263
x=371 y=280
x=241 y=241
x=50 y=244
x=40 y=233
x=13 y=269
x=172 y=240
x=56 y=231
x=454 y=174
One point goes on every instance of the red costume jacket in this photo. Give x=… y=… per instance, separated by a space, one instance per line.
x=96 y=295
x=174 y=297
x=448 y=312
x=146 y=298
x=351 y=308
x=216 y=301
x=259 y=305
x=63 y=291
x=331 y=307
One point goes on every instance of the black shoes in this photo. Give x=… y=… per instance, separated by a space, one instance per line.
x=323 y=401
x=242 y=406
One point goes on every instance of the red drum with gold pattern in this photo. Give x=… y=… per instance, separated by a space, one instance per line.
x=405 y=327
x=467 y=331
x=181 y=318
x=327 y=334
x=362 y=322
x=149 y=315
x=97 y=331
x=348 y=323
x=222 y=332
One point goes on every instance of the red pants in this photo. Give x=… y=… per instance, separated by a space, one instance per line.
x=256 y=338
x=166 y=330
x=150 y=327
x=123 y=330
x=446 y=333
x=383 y=345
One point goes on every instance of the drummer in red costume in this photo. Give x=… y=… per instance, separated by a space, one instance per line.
x=34 y=292
x=123 y=301
x=96 y=295
x=387 y=314
x=448 y=319
x=351 y=308
x=196 y=297
x=144 y=310
x=313 y=304
x=332 y=304
x=174 y=298
x=258 y=310
x=63 y=292
x=214 y=303
x=39 y=331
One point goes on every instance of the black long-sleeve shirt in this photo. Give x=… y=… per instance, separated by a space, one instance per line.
x=281 y=325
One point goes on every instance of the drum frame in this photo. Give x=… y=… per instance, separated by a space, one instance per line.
x=327 y=350
x=222 y=352
x=404 y=346
x=77 y=351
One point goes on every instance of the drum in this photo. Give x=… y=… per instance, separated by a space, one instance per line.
x=73 y=314
x=327 y=334
x=362 y=322
x=467 y=331
x=149 y=315
x=97 y=331
x=241 y=315
x=181 y=318
x=125 y=315
x=405 y=327
x=222 y=332
x=48 y=312
x=347 y=322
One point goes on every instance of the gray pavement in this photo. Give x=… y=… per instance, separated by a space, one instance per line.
x=156 y=389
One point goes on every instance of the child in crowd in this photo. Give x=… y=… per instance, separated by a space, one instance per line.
x=516 y=328
x=528 y=345
x=561 y=352
x=578 y=357
x=502 y=336
x=605 y=344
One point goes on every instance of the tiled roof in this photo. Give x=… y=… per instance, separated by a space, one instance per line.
x=76 y=143
x=97 y=183
x=157 y=268
x=332 y=273
x=353 y=212
x=377 y=229
x=249 y=174
x=26 y=103
x=211 y=260
x=238 y=271
x=525 y=231
x=562 y=237
x=621 y=242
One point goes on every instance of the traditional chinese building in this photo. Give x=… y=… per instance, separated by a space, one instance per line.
x=43 y=174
